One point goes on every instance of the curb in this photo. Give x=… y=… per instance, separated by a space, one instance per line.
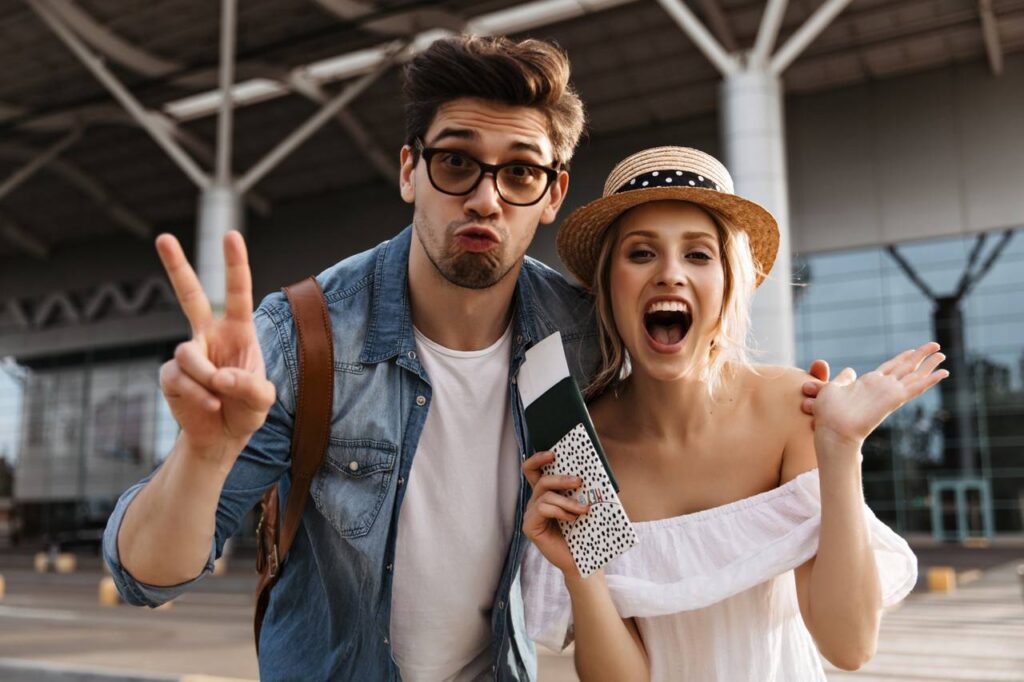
x=19 y=670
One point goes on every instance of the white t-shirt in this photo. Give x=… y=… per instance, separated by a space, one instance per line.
x=458 y=516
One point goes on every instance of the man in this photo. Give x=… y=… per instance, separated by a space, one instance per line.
x=406 y=563
x=408 y=552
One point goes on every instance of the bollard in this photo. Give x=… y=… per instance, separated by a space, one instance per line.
x=941 y=579
x=108 y=595
x=41 y=562
x=65 y=563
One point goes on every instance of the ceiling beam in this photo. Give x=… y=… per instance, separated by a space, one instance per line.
x=684 y=17
x=23 y=239
x=768 y=30
x=33 y=166
x=719 y=24
x=806 y=34
x=120 y=93
x=990 y=31
x=121 y=214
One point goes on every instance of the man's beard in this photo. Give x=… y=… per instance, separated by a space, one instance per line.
x=466 y=269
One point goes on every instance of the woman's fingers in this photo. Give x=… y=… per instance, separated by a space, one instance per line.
x=846 y=377
x=819 y=369
x=550 y=511
x=926 y=376
x=928 y=366
x=908 y=360
x=916 y=358
x=555 y=484
x=532 y=466
x=551 y=500
x=888 y=366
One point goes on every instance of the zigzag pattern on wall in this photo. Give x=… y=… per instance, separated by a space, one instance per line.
x=110 y=299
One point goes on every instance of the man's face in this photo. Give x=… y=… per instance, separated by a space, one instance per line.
x=477 y=239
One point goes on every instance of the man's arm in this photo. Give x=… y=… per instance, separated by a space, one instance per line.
x=218 y=391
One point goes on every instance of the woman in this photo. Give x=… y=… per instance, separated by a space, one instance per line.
x=756 y=548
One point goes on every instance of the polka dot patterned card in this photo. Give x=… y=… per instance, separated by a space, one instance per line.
x=604 y=532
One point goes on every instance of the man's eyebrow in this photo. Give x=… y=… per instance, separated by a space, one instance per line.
x=456 y=133
x=527 y=147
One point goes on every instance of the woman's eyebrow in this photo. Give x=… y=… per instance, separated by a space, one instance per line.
x=691 y=236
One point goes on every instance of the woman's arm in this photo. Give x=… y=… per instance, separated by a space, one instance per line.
x=607 y=646
x=839 y=590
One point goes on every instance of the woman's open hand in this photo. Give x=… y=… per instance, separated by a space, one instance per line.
x=848 y=408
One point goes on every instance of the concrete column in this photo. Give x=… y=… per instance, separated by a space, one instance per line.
x=753 y=134
x=220 y=210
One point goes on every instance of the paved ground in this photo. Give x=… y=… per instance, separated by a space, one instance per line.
x=51 y=628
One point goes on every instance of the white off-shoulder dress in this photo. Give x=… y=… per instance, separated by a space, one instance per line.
x=713 y=592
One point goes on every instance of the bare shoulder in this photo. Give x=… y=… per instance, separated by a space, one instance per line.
x=779 y=393
x=778 y=386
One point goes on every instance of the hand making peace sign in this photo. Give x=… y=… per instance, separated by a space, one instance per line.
x=216 y=384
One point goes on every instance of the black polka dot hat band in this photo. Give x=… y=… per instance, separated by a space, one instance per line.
x=669 y=178
x=659 y=174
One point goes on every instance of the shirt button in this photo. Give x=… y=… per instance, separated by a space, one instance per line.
x=421 y=401
x=353 y=466
x=386 y=642
x=519 y=338
x=412 y=355
x=401 y=480
x=390 y=567
x=501 y=604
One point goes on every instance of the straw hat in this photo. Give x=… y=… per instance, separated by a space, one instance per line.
x=657 y=174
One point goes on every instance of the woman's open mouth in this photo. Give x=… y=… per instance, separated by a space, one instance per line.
x=667 y=323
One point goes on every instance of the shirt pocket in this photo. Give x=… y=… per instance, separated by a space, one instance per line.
x=353 y=482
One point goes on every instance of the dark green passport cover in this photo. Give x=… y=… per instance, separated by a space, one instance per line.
x=557 y=412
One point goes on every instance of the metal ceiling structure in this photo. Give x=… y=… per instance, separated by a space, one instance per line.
x=76 y=165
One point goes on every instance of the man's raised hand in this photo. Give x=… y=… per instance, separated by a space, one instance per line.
x=216 y=383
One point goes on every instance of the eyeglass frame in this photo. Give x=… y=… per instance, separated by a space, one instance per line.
x=426 y=153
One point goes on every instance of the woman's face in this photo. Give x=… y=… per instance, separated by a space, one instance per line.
x=667 y=284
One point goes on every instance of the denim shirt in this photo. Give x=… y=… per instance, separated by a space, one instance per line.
x=329 y=615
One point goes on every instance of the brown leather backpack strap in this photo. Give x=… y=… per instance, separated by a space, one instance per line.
x=314 y=403
x=310 y=432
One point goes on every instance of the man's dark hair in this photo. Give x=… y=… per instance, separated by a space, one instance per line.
x=528 y=73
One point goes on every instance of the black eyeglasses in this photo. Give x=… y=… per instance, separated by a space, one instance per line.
x=458 y=174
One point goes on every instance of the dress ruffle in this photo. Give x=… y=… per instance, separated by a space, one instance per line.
x=693 y=561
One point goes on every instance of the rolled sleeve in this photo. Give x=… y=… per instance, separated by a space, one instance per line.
x=133 y=591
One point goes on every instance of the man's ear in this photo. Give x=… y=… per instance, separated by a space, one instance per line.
x=407 y=174
x=557 y=192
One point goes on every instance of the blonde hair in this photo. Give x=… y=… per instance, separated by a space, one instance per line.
x=729 y=348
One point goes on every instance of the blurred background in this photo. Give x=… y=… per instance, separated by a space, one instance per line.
x=886 y=135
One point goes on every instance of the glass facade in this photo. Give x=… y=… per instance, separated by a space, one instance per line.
x=953 y=458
